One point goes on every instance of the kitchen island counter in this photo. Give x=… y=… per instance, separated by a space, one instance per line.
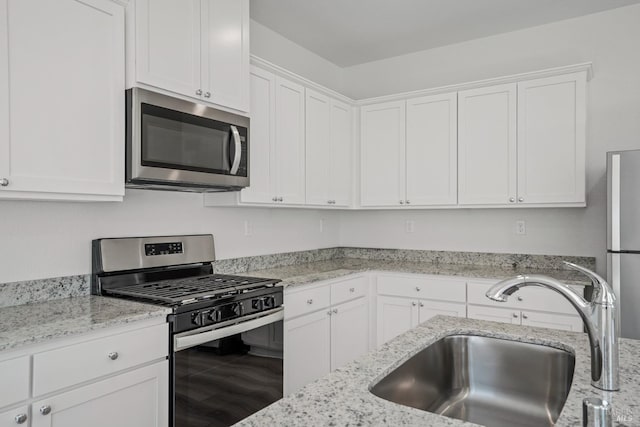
x=342 y=398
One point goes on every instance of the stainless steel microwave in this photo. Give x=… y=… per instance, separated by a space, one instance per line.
x=174 y=144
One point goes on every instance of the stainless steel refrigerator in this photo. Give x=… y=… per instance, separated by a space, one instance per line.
x=623 y=236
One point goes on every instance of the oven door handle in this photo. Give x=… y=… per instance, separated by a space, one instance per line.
x=238 y=150
x=197 y=338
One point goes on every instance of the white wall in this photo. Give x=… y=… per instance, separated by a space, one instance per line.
x=271 y=46
x=50 y=239
x=611 y=40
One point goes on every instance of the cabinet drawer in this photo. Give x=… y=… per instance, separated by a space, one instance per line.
x=529 y=298
x=15 y=380
x=306 y=301
x=9 y=418
x=74 y=364
x=348 y=289
x=444 y=289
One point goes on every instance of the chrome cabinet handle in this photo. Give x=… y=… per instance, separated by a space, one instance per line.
x=199 y=92
x=413 y=303
x=310 y=301
x=520 y=299
x=280 y=199
x=20 y=418
x=329 y=313
x=4 y=182
x=45 y=410
x=511 y=199
x=113 y=355
x=275 y=199
x=352 y=289
x=524 y=316
x=421 y=304
x=238 y=153
x=521 y=199
x=515 y=315
x=408 y=202
x=207 y=95
x=335 y=311
x=417 y=288
x=402 y=202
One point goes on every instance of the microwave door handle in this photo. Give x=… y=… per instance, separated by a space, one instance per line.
x=238 y=151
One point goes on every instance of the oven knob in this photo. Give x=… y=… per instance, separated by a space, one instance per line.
x=196 y=319
x=215 y=315
x=270 y=302
x=237 y=309
x=258 y=304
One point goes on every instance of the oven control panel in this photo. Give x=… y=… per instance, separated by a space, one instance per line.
x=171 y=248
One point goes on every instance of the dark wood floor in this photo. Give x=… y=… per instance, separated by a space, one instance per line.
x=214 y=390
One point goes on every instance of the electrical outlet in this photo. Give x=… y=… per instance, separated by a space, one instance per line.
x=247 y=228
x=409 y=226
x=521 y=227
x=322 y=225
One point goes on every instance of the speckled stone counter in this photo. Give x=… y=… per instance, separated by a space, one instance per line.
x=301 y=274
x=35 y=323
x=342 y=398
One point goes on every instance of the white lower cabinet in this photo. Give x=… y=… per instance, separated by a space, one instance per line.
x=527 y=318
x=323 y=334
x=503 y=315
x=115 y=377
x=126 y=400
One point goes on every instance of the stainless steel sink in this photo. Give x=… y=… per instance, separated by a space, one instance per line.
x=484 y=380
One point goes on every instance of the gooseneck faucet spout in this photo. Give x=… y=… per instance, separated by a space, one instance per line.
x=599 y=316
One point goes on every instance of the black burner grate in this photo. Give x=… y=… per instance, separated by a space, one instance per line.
x=182 y=291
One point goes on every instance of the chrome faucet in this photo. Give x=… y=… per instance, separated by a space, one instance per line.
x=599 y=316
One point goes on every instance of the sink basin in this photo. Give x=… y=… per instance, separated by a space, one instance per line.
x=489 y=381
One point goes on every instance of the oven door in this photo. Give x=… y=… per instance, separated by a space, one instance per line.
x=182 y=143
x=223 y=375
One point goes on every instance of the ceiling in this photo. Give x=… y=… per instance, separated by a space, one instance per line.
x=350 y=32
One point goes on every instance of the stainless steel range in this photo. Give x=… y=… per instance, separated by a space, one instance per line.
x=225 y=330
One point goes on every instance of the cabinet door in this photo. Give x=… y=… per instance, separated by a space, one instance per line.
x=135 y=399
x=349 y=332
x=317 y=147
x=552 y=321
x=290 y=156
x=307 y=354
x=261 y=139
x=11 y=417
x=340 y=164
x=429 y=308
x=487 y=145
x=551 y=139
x=432 y=146
x=382 y=154
x=503 y=315
x=225 y=52
x=394 y=316
x=68 y=59
x=167 y=42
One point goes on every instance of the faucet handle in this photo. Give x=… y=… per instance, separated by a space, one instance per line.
x=602 y=292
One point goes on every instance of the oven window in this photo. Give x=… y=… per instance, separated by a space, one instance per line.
x=176 y=140
x=222 y=382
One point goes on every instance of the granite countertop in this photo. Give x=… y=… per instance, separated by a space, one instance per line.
x=34 y=323
x=342 y=398
x=305 y=273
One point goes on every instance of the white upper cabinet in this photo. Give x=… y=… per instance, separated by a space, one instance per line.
x=195 y=48
x=431 y=150
x=71 y=54
x=225 y=52
x=551 y=139
x=167 y=44
x=262 y=139
x=318 y=148
x=487 y=145
x=328 y=150
x=382 y=151
x=290 y=157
